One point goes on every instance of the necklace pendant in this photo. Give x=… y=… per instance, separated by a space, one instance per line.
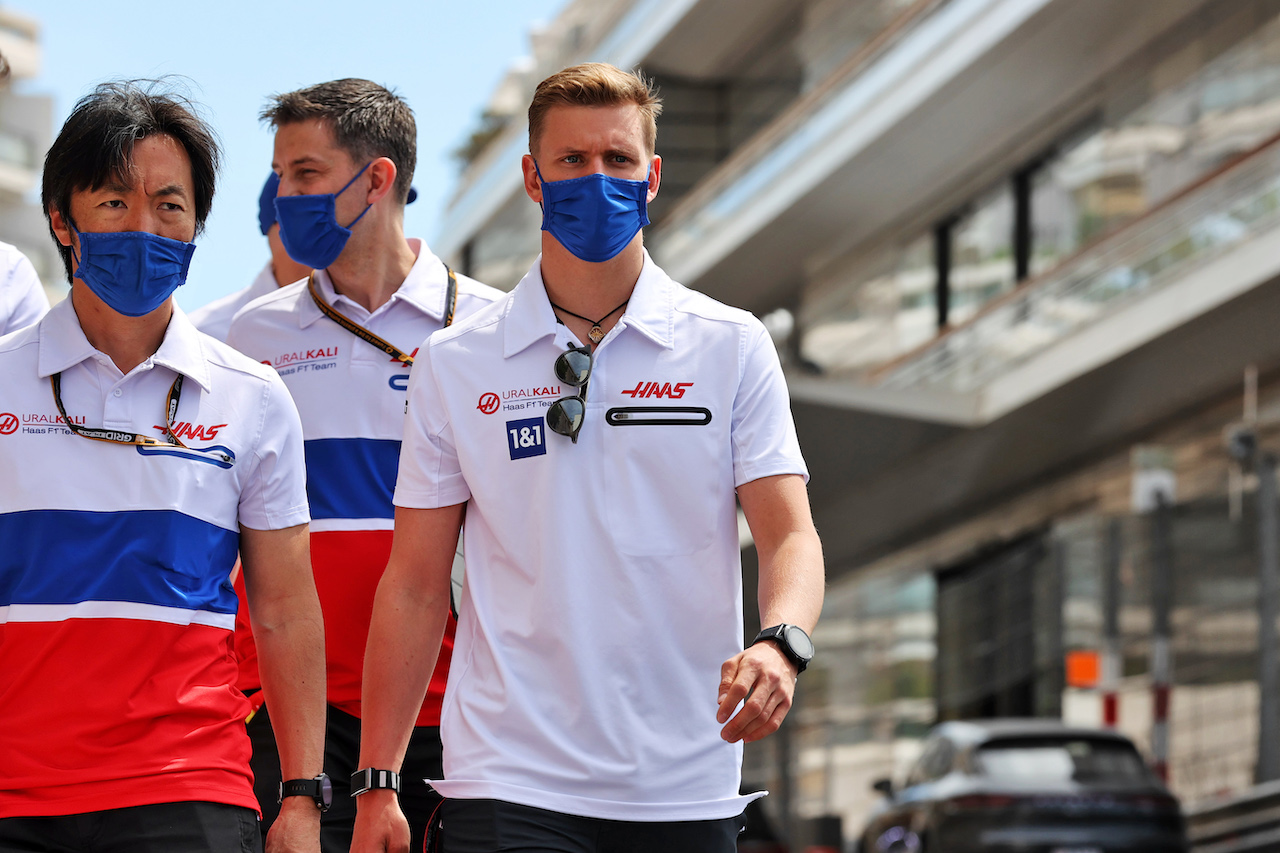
x=596 y=334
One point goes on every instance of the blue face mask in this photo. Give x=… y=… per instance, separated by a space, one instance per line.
x=132 y=271
x=309 y=226
x=596 y=216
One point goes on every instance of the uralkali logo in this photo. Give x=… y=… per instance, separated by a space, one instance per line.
x=488 y=403
x=8 y=423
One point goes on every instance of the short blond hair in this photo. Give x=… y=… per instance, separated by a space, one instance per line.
x=595 y=84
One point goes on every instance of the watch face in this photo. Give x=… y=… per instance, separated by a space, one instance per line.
x=326 y=790
x=799 y=642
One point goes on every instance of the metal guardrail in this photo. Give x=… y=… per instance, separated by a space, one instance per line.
x=1246 y=823
x=1230 y=207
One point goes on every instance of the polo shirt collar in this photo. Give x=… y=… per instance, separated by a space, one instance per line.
x=650 y=311
x=425 y=288
x=63 y=345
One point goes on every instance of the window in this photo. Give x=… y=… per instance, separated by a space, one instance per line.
x=981 y=254
x=1078 y=760
x=891 y=309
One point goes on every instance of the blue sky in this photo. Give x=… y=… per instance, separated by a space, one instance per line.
x=444 y=57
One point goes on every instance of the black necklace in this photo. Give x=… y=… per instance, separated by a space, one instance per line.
x=596 y=334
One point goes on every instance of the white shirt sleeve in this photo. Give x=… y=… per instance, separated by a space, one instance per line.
x=275 y=488
x=430 y=474
x=22 y=298
x=764 y=434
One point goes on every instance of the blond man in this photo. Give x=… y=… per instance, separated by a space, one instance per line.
x=605 y=693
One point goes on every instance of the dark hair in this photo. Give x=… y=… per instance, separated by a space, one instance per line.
x=368 y=121
x=96 y=143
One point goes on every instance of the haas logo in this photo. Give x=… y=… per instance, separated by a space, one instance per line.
x=658 y=389
x=196 y=432
x=488 y=403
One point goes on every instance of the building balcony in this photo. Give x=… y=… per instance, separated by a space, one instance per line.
x=1190 y=255
x=1149 y=320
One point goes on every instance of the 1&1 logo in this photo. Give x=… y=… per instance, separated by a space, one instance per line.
x=488 y=403
x=8 y=423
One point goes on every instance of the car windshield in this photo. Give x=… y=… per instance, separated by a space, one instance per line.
x=1076 y=760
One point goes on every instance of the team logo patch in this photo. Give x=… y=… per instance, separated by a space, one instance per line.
x=657 y=389
x=37 y=423
x=488 y=403
x=194 y=432
x=526 y=437
x=304 y=361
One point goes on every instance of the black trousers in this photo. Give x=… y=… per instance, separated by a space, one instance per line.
x=489 y=826
x=161 y=828
x=341 y=757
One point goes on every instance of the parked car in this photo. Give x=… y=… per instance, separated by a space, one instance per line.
x=1032 y=786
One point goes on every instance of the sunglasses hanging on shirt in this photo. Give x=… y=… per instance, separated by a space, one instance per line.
x=572 y=367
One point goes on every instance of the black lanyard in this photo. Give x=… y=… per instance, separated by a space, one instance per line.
x=451 y=302
x=116 y=436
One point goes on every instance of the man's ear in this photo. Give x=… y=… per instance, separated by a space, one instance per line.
x=532 y=183
x=60 y=227
x=655 y=177
x=382 y=179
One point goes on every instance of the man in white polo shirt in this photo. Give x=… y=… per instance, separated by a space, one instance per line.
x=22 y=298
x=343 y=341
x=593 y=427
x=137 y=458
x=214 y=319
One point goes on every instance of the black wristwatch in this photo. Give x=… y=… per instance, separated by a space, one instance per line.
x=371 y=779
x=793 y=641
x=318 y=789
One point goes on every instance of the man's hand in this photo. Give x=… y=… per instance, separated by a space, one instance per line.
x=297 y=829
x=766 y=679
x=380 y=825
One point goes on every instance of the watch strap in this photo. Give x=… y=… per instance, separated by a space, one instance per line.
x=314 y=788
x=372 y=779
x=778 y=634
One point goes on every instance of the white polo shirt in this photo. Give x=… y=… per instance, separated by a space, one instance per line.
x=351 y=397
x=214 y=319
x=603 y=587
x=116 y=606
x=22 y=298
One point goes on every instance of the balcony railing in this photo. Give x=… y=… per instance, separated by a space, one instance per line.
x=1227 y=208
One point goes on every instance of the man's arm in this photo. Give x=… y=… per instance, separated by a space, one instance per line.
x=791 y=589
x=289 y=632
x=409 y=613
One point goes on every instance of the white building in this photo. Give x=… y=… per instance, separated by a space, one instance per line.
x=26 y=124
x=1002 y=241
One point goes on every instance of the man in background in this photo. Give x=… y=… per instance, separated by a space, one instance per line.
x=22 y=298
x=343 y=341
